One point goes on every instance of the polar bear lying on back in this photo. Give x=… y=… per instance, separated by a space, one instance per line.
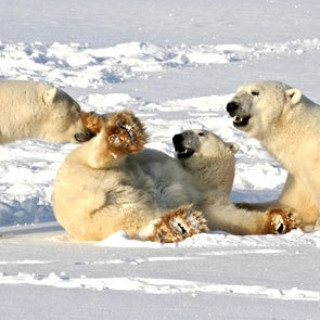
x=37 y=110
x=287 y=124
x=110 y=183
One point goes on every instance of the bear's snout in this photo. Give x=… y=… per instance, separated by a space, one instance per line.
x=232 y=107
x=182 y=150
x=177 y=141
x=83 y=136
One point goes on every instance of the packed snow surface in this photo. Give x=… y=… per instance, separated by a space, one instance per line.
x=176 y=66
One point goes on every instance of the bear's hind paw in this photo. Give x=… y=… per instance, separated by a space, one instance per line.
x=178 y=225
x=281 y=220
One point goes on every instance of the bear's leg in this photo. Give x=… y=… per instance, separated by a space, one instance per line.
x=298 y=196
x=294 y=195
x=229 y=218
x=122 y=134
x=175 y=226
x=263 y=206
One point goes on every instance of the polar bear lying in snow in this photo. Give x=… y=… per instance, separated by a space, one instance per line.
x=287 y=124
x=110 y=183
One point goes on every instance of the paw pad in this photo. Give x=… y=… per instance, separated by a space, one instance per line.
x=125 y=133
x=178 y=225
x=281 y=220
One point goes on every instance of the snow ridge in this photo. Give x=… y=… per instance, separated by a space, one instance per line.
x=159 y=286
x=77 y=65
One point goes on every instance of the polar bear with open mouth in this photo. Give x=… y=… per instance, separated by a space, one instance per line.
x=112 y=183
x=286 y=123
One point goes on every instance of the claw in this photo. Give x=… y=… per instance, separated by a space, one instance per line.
x=279 y=225
x=126 y=127
x=178 y=225
x=281 y=220
x=125 y=133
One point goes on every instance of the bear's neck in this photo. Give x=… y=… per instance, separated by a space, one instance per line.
x=286 y=141
x=212 y=173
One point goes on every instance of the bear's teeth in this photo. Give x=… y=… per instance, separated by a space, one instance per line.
x=238 y=119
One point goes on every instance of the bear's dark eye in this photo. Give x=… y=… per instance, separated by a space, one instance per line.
x=201 y=134
x=255 y=92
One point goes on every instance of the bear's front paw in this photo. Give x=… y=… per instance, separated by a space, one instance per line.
x=93 y=121
x=281 y=220
x=178 y=225
x=125 y=133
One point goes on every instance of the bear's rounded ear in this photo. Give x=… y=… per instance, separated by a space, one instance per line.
x=234 y=147
x=49 y=95
x=294 y=95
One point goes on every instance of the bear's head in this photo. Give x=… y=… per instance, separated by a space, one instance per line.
x=201 y=143
x=64 y=119
x=257 y=106
x=207 y=157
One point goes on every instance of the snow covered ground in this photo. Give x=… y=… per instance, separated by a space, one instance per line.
x=176 y=64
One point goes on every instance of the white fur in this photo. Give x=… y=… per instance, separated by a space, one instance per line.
x=287 y=124
x=132 y=192
x=37 y=110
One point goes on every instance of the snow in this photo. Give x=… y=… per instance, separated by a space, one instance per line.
x=176 y=64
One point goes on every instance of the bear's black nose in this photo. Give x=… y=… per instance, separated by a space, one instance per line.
x=232 y=107
x=83 y=136
x=177 y=140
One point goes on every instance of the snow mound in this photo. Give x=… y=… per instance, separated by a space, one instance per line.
x=76 y=65
x=159 y=286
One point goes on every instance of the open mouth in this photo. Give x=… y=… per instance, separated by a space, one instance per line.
x=184 y=154
x=240 y=121
x=182 y=147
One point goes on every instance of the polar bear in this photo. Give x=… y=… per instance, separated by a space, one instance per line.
x=32 y=109
x=287 y=124
x=112 y=183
